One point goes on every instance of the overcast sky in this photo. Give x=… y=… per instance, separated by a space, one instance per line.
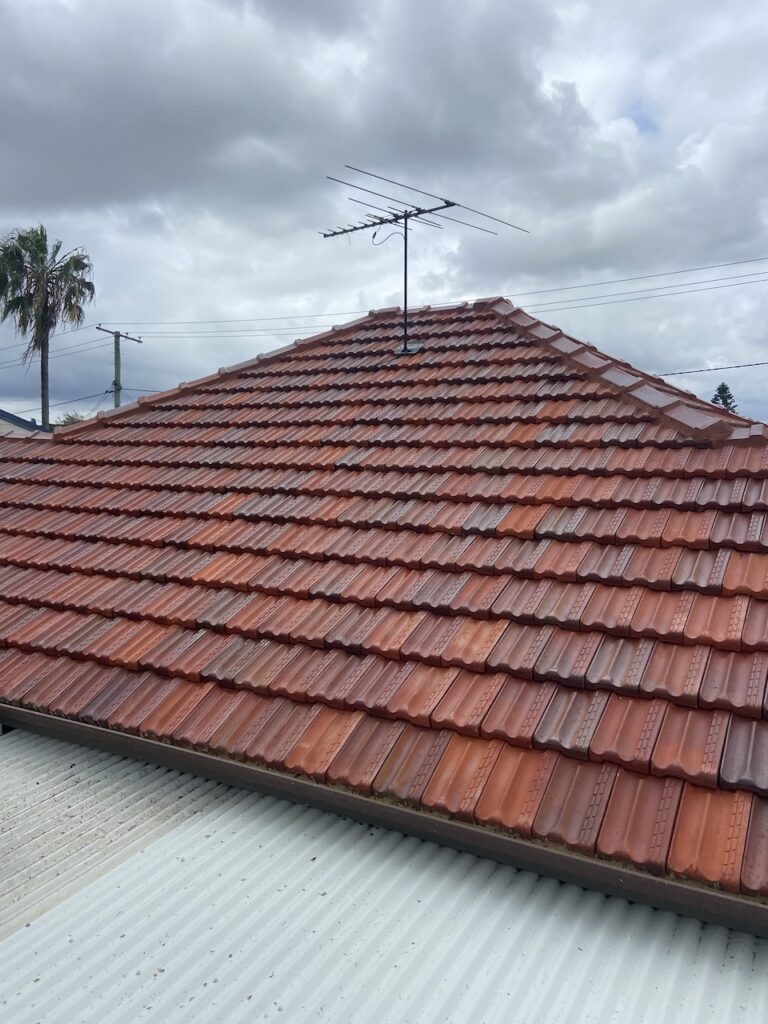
x=185 y=144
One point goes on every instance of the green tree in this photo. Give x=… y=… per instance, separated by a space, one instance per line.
x=39 y=289
x=73 y=416
x=723 y=396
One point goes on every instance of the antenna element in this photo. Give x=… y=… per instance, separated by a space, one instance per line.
x=410 y=212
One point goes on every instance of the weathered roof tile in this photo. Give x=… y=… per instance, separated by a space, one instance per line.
x=510 y=580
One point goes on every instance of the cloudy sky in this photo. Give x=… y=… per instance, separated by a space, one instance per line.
x=185 y=144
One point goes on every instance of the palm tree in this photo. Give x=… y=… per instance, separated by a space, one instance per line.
x=40 y=289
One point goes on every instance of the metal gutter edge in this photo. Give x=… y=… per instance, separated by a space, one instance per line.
x=679 y=897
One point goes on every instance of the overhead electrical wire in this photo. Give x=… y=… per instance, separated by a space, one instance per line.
x=709 y=369
x=153 y=391
x=74 y=350
x=73 y=401
x=761 y=274
x=640 y=298
x=554 y=305
x=358 y=312
x=609 y=299
x=669 y=373
x=82 y=341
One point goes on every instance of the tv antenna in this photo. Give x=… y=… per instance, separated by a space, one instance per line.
x=402 y=212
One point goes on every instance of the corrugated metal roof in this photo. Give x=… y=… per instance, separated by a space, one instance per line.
x=181 y=900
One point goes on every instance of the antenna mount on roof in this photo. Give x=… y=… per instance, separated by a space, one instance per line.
x=404 y=212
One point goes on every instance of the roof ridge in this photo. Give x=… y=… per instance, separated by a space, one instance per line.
x=33 y=435
x=692 y=416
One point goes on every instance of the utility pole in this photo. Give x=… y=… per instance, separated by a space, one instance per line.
x=117 y=385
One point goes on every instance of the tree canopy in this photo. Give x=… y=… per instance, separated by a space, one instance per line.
x=723 y=396
x=41 y=288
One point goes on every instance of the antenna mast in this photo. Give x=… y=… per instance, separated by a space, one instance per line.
x=400 y=215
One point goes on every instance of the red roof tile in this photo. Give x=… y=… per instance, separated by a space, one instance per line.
x=506 y=579
x=639 y=820
x=710 y=836
x=515 y=788
x=460 y=775
x=572 y=808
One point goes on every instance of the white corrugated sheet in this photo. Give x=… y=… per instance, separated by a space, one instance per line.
x=134 y=893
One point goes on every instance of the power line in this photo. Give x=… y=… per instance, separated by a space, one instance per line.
x=357 y=312
x=58 y=334
x=74 y=401
x=72 y=330
x=254 y=332
x=645 y=277
x=710 y=369
x=553 y=306
x=659 y=288
x=74 y=350
x=25 y=344
x=640 y=298
x=249 y=320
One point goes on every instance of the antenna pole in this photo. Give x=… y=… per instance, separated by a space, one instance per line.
x=393 y=214
x=405 y=284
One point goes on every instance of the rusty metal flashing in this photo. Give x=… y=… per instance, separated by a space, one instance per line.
x=677 y=896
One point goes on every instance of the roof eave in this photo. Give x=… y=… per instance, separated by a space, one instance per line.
x=678 y=896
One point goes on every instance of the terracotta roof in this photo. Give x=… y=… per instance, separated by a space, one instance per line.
x=506 y=579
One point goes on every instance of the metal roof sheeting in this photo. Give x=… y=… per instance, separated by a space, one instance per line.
x=141 y=894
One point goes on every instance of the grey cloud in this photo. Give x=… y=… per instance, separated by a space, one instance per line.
x=185 y=144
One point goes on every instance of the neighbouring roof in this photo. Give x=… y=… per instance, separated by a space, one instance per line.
x=136 y=893
x=505 y=580
x=12 y=424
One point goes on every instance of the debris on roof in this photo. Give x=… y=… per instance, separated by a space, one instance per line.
x=505 y=579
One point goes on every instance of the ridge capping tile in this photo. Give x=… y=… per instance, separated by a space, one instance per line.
x=385 y=311
x=104 y=414
x=70 y=428
x=620 y=378
x=652 y=396
x=699 y=422
x=567 y=346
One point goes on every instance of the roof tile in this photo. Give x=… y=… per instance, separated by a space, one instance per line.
x=515 y=788
x=242 y=721
x=520 y=584
x=735 y=681
x=710 y=836
x=461 y=773
x=410 y=763
x=745 y=756
x=690 y=744
x=364 y=752
x=570 y=720
x=574 y=804
x=754 y=871
x=627 y=732
x=639 y=820
x=319 y=744
x=467 y=700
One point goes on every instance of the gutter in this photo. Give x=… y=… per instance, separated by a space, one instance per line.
x=676 y=896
